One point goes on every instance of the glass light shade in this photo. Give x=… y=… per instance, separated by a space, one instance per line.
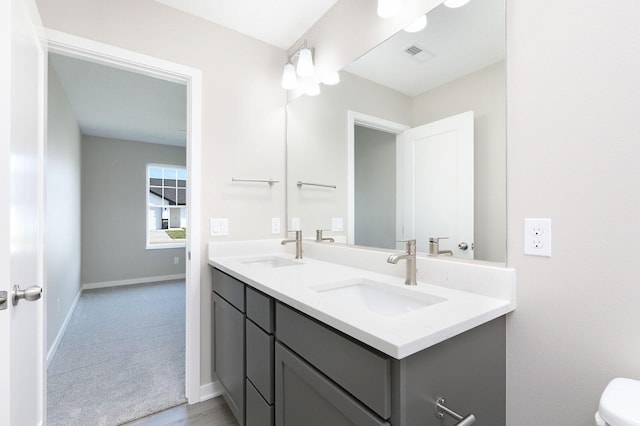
x=419 y=24
x=331 y=78
x=312 y=89
x=289 y=79
x=389 y=8
x=305 y=63
x=455 y=3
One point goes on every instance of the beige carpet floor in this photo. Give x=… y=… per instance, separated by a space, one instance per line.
x=122 y=356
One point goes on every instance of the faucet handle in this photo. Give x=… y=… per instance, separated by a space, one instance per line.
x=319 y=233
x=411 y=245
x=437 y=239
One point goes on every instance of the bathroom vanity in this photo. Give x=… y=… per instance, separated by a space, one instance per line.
x=293 y=345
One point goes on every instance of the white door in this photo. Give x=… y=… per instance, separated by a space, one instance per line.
x=22 y=75
x=438 y=176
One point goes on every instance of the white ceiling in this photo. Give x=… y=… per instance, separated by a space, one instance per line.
x=113 y=103
x=277 y=22
x=455 y=43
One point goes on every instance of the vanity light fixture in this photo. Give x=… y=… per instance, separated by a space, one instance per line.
x=305 y=62
x=289 y=78
x=304 y=67
x=419 y=24
x=331 y=78
x=389 y=8
x=455 y=3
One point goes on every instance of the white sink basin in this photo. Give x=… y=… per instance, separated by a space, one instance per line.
x=271 y=262
x=379 y=298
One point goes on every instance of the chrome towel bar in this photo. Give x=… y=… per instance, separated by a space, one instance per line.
x=300 y=183
x=269 y=181
x=441 y=410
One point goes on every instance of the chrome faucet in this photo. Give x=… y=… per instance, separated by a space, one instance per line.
x=320 y=238
x=434 y=247
x=410 y=257
x=298 y=241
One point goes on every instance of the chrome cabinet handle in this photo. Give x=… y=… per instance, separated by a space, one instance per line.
x=463 y=246
x=3 y=300
x=29 y=294
x=441 y=410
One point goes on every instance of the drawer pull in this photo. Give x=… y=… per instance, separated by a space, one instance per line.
x=441 y=410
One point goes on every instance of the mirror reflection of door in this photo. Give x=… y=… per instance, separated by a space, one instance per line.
x=416 y=184
x=438 y=176
x=375 y=188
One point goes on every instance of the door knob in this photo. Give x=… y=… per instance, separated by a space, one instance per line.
x=30 y=294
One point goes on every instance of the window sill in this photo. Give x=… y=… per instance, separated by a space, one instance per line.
x=165 y=246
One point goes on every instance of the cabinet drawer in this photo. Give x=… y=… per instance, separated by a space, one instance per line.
x=260 y=360
x=260 y=309
x=360 y=371
x=229 y=288
x=306 y=397
x=259 y=413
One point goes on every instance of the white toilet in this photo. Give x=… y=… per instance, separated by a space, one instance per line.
x=620 y=404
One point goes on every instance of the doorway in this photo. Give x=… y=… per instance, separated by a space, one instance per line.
x=64 y=44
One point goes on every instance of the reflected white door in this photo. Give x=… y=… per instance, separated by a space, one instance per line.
x=438 y=176
x=22 y=75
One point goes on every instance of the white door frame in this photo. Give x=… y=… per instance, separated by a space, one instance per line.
x=359 y=119
x=89 y=50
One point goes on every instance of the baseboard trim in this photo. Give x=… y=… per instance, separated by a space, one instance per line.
x=210 y=390
x=56 y=342
x=91 y=286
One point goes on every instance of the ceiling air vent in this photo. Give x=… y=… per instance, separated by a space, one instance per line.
x=413 y=50
x=418 y=54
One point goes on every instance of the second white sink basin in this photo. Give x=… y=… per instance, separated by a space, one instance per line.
x=379 y=298
x=271 y=262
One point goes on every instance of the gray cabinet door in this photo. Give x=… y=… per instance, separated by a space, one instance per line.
x=259 y=412
x=306 y=397
x=228 y=353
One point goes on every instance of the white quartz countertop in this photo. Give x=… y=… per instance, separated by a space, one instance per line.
x=398 y=335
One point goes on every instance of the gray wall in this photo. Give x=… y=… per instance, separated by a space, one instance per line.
x=483 y=92
x=375 y=188
x=573 y=147
x=114 y=211
x=62 y=227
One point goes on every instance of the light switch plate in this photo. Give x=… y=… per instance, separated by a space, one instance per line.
x=337 y=224
x=537 y=237
x=219 y=226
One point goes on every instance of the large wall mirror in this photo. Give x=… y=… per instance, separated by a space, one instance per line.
x=411 y=142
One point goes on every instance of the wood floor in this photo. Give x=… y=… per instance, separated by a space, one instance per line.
x=213 y=412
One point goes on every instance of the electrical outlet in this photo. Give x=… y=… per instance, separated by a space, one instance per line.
x=295 y=224
x=537 y=237
x=275 y=225
x=337 y=224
